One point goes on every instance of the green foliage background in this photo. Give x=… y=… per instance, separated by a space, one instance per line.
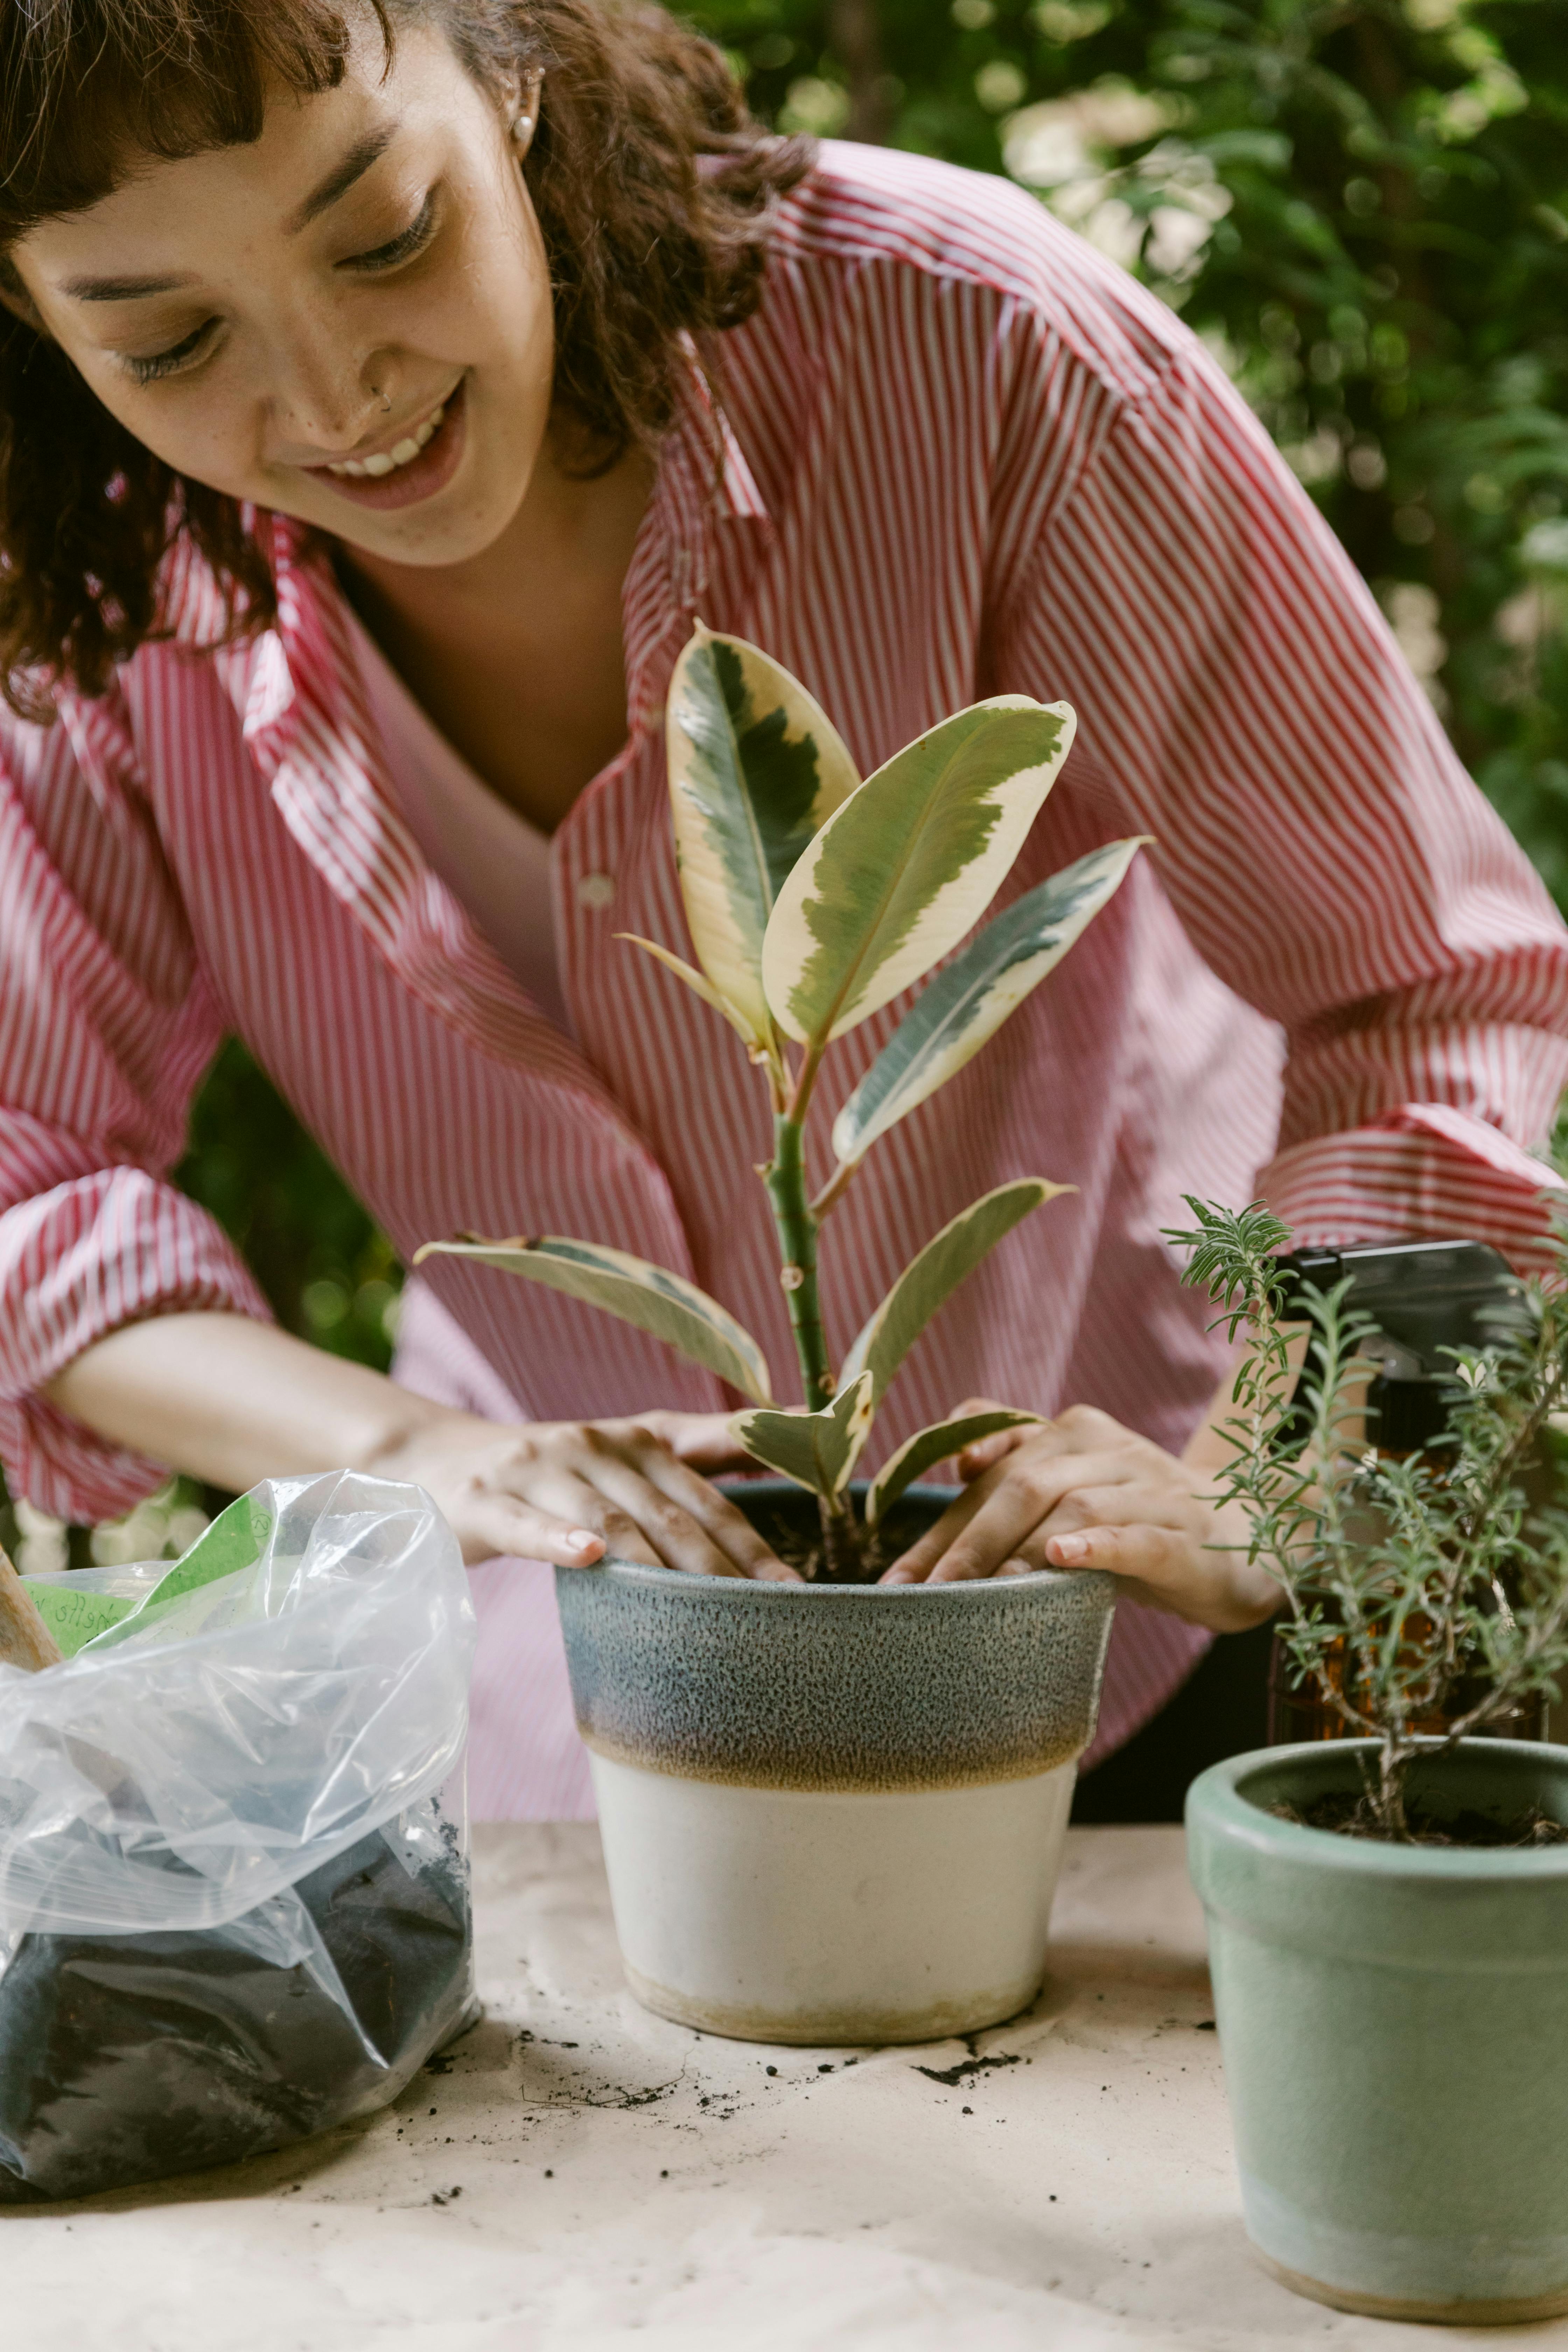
x=1362 y=205
x=1376 y=241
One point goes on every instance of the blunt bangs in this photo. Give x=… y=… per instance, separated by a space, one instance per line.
x=653 y=188
x=86 y=87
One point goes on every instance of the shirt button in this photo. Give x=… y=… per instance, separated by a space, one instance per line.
x=595 y=891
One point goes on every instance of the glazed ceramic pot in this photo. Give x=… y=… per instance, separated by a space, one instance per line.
x=1394 y=2027
x=833 y=1813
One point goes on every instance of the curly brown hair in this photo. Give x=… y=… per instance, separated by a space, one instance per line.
x=643 y=244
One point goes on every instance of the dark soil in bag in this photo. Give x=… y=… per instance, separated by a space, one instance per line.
x=126 y=2057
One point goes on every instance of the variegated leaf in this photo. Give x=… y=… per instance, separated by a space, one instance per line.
x=755 y=767
x=696 y=981
x=931 y=1278
x=663 y=1304
x=967 y=1003
x=927 y=1448
x=909 y=864
x=818 y=1450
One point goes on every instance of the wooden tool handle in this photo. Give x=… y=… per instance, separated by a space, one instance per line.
x=25 y=1640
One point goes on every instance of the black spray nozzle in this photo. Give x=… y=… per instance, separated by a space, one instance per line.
x=1424 y=1298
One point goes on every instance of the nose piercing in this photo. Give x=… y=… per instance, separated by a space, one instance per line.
x=384 y=398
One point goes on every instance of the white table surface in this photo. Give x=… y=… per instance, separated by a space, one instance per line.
x=578 y=2173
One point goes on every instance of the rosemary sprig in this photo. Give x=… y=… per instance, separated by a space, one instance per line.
x=1405 y=1583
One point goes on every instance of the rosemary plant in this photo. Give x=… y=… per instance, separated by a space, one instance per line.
x=813 y=899
x=1419 y=1592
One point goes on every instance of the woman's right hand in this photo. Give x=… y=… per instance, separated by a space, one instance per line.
x=232 y=1401
x=571 y=1491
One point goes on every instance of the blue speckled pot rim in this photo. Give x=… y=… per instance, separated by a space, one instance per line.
x=835 y=1686
x=741 y=1589
x=972 y=1593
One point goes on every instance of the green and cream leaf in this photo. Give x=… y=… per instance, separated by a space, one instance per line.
x=927 y=1448
x=755 y=768
x=930 y=1278
x=966 y=1005
x=909 y=864
x=818 y=1450
x=699 y=983
x=663 y=1304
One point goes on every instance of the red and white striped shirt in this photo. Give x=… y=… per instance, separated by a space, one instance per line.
x=959 y=453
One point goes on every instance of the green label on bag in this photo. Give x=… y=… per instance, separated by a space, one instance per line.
x=77 y=1618
x=235 y=1540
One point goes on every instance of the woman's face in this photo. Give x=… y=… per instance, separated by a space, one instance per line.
x=366 y=287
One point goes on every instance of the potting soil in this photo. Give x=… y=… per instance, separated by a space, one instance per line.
x=233 y=1903
x=1351 y=1816
x=792 y=1526
x=124 y=2058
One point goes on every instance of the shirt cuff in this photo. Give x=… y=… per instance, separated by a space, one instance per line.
x=77 y=1263
x=1422 y=1172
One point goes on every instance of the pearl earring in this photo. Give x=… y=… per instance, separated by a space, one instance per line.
x=525 y=120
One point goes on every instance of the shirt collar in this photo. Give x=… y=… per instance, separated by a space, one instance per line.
x=702 y=459
x=704 y=487
x=298 y=696
x=705 y=508
x=706 y=516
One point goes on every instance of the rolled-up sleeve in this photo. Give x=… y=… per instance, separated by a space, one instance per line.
x=1241 y=698
x=107 y=1024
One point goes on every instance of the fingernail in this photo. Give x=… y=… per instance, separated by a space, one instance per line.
x=1067 y=1550
x=580 y=1540
x=896 y=1575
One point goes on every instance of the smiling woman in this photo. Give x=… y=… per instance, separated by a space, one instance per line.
x=182 y=377
x=387 y=389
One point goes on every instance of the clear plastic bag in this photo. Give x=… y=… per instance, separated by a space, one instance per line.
x=234 y=1905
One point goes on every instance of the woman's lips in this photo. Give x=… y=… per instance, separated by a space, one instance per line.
x=421 y=477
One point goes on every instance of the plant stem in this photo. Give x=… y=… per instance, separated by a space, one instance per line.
x=805 y=1079
x=785 y=1181
x=1394 y=1761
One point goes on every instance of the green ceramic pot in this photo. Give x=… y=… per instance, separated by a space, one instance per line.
x=1393 y=2021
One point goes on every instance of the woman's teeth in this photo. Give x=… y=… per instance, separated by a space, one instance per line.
x=387 y=461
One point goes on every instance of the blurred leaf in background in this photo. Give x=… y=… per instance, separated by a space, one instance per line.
x=330 y=1275
x=161 y=1527
x=1362 y=206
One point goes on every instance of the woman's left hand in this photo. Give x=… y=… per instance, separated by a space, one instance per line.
x=1082 y=1492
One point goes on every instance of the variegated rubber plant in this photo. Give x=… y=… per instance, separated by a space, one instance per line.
x=813 y=899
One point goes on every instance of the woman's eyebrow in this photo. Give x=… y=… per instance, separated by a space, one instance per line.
x=340 y=179
x=120 y=290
